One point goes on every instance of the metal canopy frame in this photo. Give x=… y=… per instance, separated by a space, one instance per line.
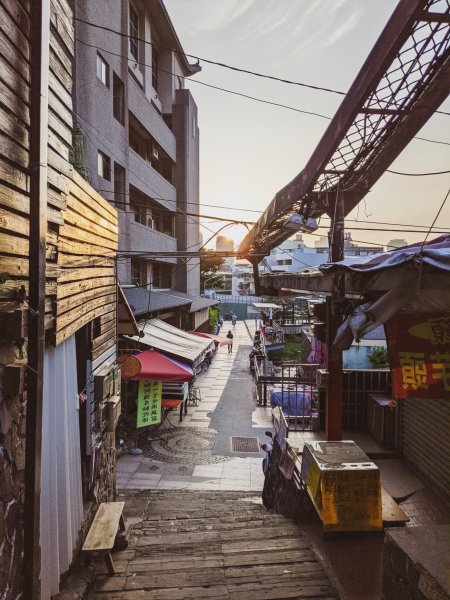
x=402 y=83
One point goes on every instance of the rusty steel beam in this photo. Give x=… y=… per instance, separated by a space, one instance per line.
x=386 y=105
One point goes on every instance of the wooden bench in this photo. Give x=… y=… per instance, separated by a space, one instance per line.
x=102 y=533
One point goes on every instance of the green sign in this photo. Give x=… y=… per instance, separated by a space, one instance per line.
x=149 y=403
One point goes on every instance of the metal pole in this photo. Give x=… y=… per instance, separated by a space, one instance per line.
x=40 y=32
x=333 y=411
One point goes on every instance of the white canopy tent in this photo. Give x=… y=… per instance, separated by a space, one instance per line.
x=171 y=340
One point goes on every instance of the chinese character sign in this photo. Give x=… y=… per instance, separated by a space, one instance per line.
x=149 y=403
x=419 y=353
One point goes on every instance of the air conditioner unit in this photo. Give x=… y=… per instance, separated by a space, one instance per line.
x=155 y=152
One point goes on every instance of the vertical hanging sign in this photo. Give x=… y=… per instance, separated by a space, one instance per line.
x=149 y=403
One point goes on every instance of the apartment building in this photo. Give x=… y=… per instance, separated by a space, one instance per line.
x=138 y=136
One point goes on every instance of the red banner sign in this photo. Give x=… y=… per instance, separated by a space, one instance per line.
x=419 y=353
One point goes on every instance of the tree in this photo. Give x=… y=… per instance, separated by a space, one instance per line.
x=209 y=266
x=379 y=358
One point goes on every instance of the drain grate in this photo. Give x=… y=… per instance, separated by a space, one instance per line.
x=244 y=444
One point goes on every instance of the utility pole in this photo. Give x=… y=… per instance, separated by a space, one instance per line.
x=40 y=44
x=333 y=409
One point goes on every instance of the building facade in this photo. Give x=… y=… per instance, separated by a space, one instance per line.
x=139 y=134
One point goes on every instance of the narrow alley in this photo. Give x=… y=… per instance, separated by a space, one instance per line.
x=197 y=526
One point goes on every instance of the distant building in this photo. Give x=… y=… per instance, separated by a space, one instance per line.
x=224 y=244
x=293 y=255
x=396 y=243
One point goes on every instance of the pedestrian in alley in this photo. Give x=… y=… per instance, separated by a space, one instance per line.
x=230 y=345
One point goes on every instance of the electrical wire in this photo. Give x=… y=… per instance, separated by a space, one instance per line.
x=225 y=65
x=436 y=218
x=254 y=98
x=417 y=174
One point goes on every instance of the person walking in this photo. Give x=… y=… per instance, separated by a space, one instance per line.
x=230 y=345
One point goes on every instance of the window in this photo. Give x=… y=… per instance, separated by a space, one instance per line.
x=104 y=166
x=102 y=70
x=118 y=99
x=161 y=276
x=134 y=33
x=138 y=271
x=163 y=221
x=119 y=186
x=138 y=207
x=154 y=68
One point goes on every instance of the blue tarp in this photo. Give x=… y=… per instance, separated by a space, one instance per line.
x=295 y=403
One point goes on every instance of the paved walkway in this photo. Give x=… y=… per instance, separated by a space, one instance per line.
x=197 y=454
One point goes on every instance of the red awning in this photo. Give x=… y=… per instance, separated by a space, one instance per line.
x=218 y=339
x=157 y=367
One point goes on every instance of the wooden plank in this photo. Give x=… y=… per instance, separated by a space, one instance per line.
x=59 y=164
x=84 y=238
x=18 y=14
x=13 y=199
x=10 y=244
x=83 y=260
x=103 y=530
x=60 y=128
x=14 y=34
x=12 y=175
x=16 y=267
x=14 y=58
x=60 y=91
x=15 y=93
x=85 y=273
x=58 y=181
x=61 y=20
x=108 y=334
x=58 y=68
x=54 y=216
x=57 y=48
x=13 y=127
x=89 y=190
x=57 y=199
x=82 y=301
x=13 y=151
x=81 y=287
x=392 y=513
x=71 y=326
x=58 y=145
x=70 y=246
x=60 y=108
x=101 y=349
x=87 y=211
x=13 y=223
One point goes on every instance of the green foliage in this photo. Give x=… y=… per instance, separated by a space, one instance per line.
x=209 y=265
x=296 y=349
x=379 y=358
x=213 y=314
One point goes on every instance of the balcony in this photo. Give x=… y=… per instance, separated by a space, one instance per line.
x=146 y=113
x=143 y=177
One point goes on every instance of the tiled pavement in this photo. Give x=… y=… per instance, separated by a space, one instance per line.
x=196 y=454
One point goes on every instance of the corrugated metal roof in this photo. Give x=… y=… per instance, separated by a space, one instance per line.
x=174 y=341
x=143 y=301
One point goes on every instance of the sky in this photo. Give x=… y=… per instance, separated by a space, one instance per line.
x=250 y=150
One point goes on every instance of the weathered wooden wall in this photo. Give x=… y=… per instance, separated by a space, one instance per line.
x=82 y=241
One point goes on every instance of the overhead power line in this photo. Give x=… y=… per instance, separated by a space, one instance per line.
x=221 y=89
x=224 y=65
x=417 y=174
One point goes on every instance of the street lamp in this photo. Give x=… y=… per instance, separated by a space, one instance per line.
x=214 y=276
